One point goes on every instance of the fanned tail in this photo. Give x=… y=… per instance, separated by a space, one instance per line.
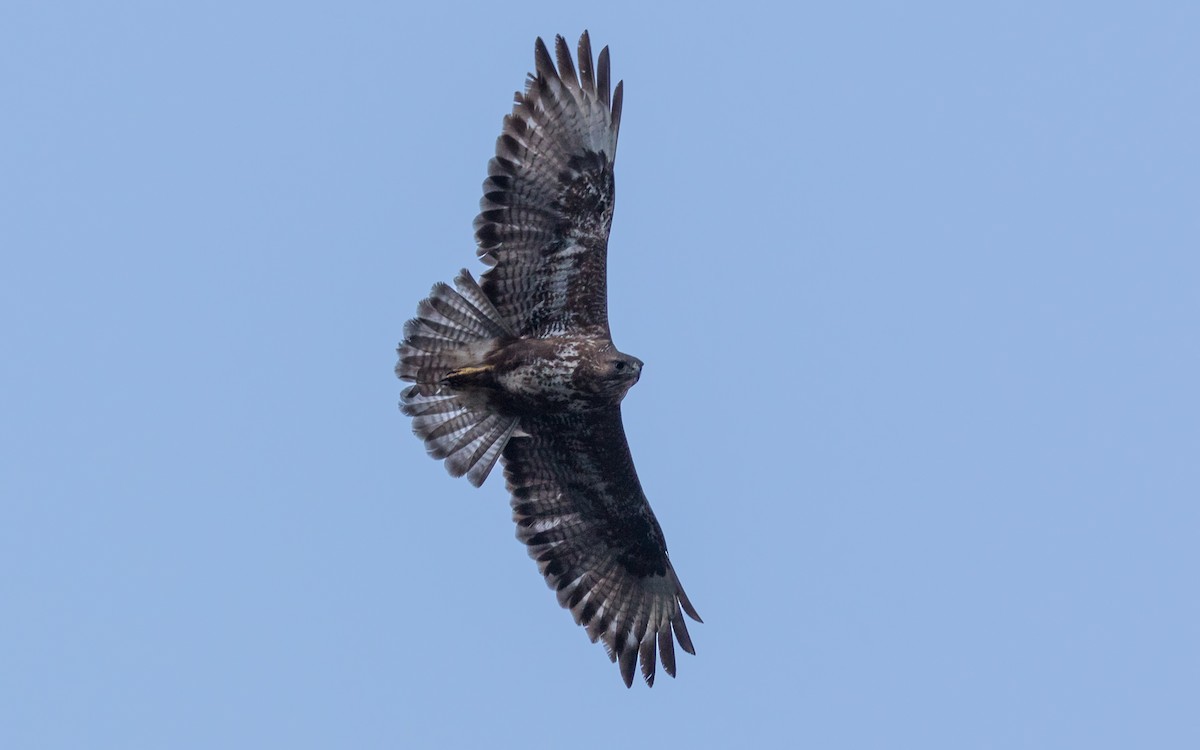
x=454 y=329
x=469 y=437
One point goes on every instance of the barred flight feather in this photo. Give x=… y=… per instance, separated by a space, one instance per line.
x=573 y=483
x=552 y=178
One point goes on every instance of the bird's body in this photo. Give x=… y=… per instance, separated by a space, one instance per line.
x=527 y=377
x=522 y=367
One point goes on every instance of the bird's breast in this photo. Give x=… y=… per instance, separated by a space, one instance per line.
x=545 y=375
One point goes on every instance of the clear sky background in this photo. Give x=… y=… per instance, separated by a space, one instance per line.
x=918 y=291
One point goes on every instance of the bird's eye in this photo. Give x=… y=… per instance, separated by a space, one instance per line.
x=620 y=366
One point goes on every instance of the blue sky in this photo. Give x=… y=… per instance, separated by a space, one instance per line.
x=918 y=291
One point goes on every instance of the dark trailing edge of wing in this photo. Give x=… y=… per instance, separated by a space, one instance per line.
x=580 y=509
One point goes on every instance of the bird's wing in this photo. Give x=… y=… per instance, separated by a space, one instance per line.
x=548 y=200
x=579 y=507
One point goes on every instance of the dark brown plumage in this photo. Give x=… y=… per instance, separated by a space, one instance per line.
x=521 y=367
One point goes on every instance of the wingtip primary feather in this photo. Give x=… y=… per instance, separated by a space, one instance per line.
x=587 y=76
x=627 y=658
x=566 y=68
x=617 y=99
x=542 y=62
x=646 y=656
x=666 y=648
x=682 y=635
x=602 y=77
x=683 y=598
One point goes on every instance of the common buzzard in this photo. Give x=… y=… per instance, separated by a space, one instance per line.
x=521 y=367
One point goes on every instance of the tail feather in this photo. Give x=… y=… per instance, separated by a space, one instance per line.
x=453 y=329
x=450 y=315
x=468 y=437
x=481 y=454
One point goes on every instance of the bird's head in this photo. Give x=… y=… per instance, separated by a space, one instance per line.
x=620 y=372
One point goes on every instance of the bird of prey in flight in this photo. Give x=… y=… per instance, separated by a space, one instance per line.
x=520 y=367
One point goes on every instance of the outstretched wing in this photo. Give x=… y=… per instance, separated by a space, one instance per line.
x=580 y=508
x=548 y=200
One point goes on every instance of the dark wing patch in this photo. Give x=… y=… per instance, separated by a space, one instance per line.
x=579 y=507
x=548 y=200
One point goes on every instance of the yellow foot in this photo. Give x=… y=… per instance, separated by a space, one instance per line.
x=466 y=372
x=467 y=376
